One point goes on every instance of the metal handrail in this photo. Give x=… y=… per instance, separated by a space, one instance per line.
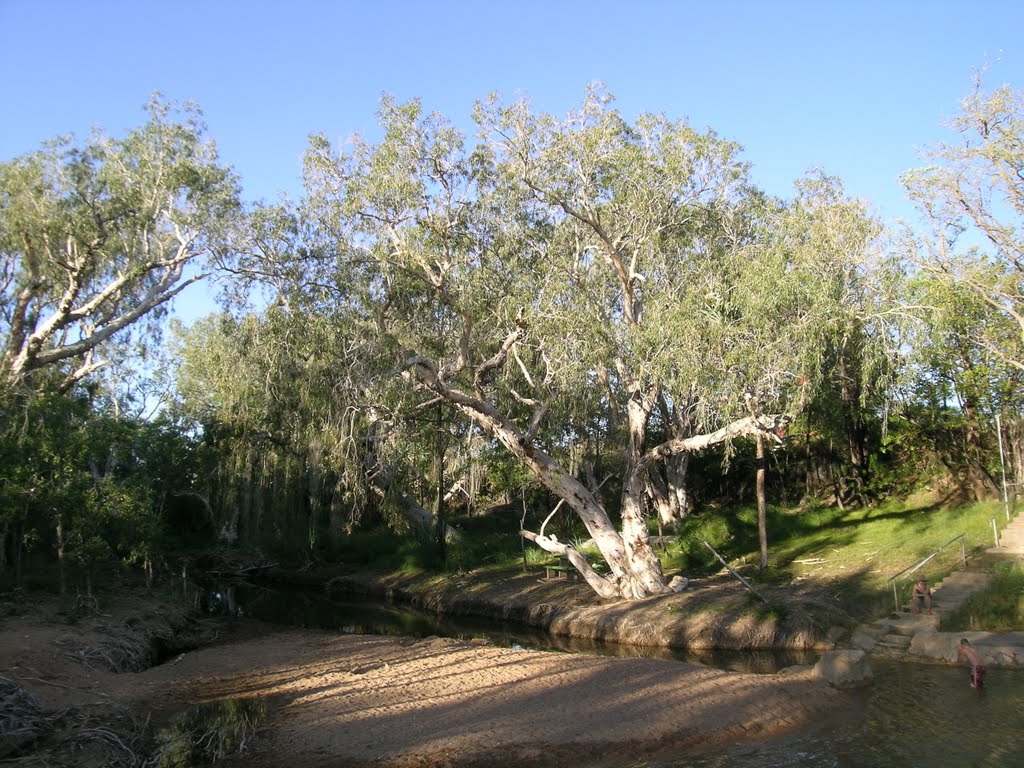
x=730 y=569
x=911 y=569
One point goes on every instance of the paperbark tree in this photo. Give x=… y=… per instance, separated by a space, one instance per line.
x=971 y=287
x=972 y=196
x=554 y=263
x=98 y=238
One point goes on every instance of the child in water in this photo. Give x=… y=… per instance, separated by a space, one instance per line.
x=966 y=652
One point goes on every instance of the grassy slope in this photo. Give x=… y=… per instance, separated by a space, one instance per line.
x=825 y=562
x=854 y=553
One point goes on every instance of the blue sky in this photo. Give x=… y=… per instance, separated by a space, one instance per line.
x=857 y=88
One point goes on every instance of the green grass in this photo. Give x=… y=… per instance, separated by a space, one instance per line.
x=852 y=553
x=998 y=608
x=882 y=541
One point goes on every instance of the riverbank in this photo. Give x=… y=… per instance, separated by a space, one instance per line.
x=712 y=613
x=355 y=700
x=341 y=700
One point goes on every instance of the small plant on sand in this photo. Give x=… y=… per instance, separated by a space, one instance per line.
x=207 y=733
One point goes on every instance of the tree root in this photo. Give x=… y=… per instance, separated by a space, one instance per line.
x=107 y=735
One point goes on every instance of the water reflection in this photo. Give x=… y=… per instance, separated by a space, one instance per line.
x=354 y=615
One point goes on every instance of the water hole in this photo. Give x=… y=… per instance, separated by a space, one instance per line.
x=913 y=715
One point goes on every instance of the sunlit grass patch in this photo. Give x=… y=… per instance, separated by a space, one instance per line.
x=997 y=608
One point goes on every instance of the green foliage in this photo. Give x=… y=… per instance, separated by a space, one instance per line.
x=386 y=550
x=695 y=530
x=997 y=608
x=94 y=239
x=971 y=199
x=90 y=487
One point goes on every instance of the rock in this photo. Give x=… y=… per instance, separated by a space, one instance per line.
x=935 y=645
x=835 y=634
x=678 y=583
x=865 y=637
x=796 y=669
x=845 y=668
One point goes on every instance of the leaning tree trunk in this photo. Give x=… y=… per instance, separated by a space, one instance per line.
x=633 y=574
x=635 y=569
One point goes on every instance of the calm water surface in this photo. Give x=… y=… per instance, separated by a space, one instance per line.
x=913 y=716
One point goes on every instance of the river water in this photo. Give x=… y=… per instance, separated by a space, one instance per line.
x=912 y=716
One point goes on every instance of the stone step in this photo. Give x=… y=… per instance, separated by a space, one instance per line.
x=948 y=599
x=908 y=623
x=969 y=576
x=892 y=645
x=957 y=590
x=896 y=640
x=949 y=590
x=968 y=585
x=1006 y=553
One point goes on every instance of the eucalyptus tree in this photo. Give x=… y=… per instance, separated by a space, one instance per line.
x=552 y=269
x=958 y=385
x=971 y=260
x=972 y=196
x=711 y=298
x=851 y=311
x=95 y=239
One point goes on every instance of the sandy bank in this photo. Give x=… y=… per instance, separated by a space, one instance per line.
x=346 y=700
x=343 y=700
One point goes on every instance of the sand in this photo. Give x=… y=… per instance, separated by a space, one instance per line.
x=351 y=700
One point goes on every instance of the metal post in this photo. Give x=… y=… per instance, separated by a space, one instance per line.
x=995 y=531
x=895 y=597
x=1002 y=467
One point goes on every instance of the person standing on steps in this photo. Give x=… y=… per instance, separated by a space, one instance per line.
x=922 y=596
x=967 y=653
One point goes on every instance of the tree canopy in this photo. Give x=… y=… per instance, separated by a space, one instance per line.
x=97 y=238
x=599 y=308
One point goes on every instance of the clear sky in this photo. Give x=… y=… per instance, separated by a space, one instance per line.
x=856 y=88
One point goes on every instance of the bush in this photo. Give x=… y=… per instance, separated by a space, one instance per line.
x=694 y=531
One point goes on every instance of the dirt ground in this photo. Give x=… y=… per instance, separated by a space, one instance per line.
x=344 y=700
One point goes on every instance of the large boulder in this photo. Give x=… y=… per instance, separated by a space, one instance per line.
x=844 y=668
